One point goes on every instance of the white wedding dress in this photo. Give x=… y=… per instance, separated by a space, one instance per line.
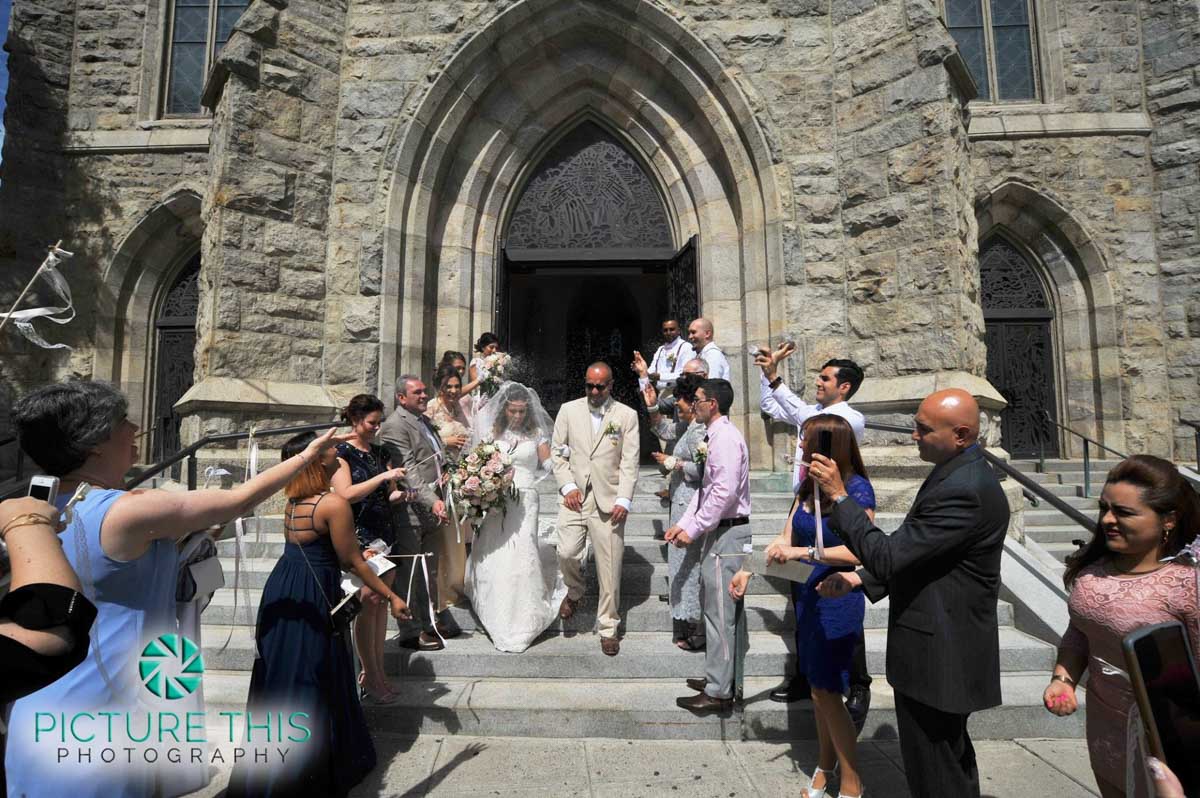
x=512 y=579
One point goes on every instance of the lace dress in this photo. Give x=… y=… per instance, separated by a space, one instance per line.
x=1105 y=608
x=513 y=579
x=450 y=421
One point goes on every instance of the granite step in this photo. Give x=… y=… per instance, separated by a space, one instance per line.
x=644 y=655
x=770 y=612
x=1058 y=533
x=634 y=709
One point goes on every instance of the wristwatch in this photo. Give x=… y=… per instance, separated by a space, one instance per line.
x=812 y=553
x=841 y=498
x=775 y=383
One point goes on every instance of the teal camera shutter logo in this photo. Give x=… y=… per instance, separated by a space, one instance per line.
x=171 y=667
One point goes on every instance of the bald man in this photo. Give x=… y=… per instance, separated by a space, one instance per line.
x=941 y=569
x=700 y=334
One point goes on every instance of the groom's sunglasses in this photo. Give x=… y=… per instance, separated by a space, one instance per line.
x=591 y=386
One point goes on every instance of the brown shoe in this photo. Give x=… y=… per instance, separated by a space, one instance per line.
x=704 y=703
x=663 y=494
x=698 y=684
x=567 y=608
x=611 y=646
x=428 y=642
x=448 y=632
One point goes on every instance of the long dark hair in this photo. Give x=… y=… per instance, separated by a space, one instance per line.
x=844 y=448
x=444 y=374
x=1164 y=490
x=485 y=339
x=360 y=407
x=449 y=356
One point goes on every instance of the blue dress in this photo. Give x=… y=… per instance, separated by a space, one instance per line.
x=827 y=629
x=136 y=603
x=303 y=666
x=372 y=513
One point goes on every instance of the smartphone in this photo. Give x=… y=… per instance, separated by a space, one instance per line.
x=1166 y=686
x=825 y=442
x=44 y=488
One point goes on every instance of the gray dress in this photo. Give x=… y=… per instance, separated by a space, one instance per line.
x=683 y=565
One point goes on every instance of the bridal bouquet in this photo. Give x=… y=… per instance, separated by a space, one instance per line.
x=495 y=367
x=483 y=481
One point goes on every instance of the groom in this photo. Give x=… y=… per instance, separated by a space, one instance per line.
x=596 y=444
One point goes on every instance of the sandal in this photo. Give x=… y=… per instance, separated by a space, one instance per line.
x=695 y=640
x=818 y=792
x=679 y=630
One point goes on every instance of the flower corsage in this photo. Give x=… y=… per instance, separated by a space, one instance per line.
x=613 y=431
x=701 y=452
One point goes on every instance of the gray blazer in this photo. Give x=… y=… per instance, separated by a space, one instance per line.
x=409 y=439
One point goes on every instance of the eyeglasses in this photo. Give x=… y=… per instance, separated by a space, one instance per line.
x=591 y=386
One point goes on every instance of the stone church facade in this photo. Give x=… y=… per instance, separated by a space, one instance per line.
x=279 y=203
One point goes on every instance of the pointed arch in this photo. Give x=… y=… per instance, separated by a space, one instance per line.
x=456 y=163
x=1073 y=269
x=147 y=263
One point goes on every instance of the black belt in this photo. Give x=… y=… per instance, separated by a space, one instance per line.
x=728 y=522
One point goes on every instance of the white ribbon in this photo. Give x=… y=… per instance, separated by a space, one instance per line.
x=239 y=529
x=820 y=547
x=211 y=473
x=428 y=590
x=721 y=604
x=23 y=319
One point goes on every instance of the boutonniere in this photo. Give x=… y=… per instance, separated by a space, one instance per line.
x=702 y=452
x=672 y=360
x=613 y=432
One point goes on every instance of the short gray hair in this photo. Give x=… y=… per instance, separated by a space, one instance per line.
x=60 y=424
x=402 y=383
x=699 y=364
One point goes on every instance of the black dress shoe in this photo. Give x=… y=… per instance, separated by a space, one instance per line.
x=698 y=684
x=857 y=704
x=703 y=703
x=795 y=690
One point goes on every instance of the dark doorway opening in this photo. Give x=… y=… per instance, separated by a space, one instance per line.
x=174 y=356
x=1020 y=350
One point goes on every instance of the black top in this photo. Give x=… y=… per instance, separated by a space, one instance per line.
x=941 y=568
x=372 y=513
x=37 y=607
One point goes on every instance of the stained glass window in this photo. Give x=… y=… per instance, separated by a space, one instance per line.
x=198 y=30
x=995 y=38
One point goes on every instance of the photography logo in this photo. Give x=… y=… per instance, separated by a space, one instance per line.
x=171 y=667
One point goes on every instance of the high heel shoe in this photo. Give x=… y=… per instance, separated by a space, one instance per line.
x=820 y=792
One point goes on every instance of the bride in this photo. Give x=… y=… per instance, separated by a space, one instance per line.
x=512 y=579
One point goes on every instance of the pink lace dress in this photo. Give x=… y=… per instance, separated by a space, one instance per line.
x=1104 y=608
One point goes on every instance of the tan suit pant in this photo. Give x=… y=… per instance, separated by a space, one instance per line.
x=452 y=565
x=608 y=546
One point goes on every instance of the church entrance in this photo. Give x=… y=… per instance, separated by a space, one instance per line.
x=589 y=269
x=1020 y=361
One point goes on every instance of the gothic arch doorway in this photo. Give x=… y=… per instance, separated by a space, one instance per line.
x=174 y=356
x=589 y=266
x=1020 y=348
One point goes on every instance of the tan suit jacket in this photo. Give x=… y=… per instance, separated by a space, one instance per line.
x=605 y=464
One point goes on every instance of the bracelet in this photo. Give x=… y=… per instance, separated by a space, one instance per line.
x=28 y=519
x=1067 y=680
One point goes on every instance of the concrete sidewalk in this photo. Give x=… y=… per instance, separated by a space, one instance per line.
x=509 y=767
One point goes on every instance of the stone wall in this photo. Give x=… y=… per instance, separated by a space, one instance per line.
x=1171 y=49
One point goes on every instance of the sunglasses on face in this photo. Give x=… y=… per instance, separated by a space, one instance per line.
x=591 y=386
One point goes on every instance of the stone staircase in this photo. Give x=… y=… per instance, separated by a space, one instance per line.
x=1052 y=530
x=563 y=686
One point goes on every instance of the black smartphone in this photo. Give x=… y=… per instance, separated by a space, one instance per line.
x=1166 y=686
x=825 y=442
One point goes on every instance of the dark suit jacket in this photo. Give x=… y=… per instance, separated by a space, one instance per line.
x=942 y=571
x=407 y=438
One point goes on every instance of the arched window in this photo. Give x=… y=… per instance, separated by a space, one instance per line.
x=175 y=362
x=997 y=40
x=1020 y=355
x=196 y=31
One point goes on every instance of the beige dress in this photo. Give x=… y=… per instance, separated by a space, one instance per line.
x=450 y=544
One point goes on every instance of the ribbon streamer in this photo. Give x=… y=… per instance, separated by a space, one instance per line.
x=721 y=604
x=428 y=590
x=820 y=547
x=23 y=319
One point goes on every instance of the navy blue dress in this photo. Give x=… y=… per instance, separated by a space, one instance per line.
x=372 y=513
x=303 y=667
x=827 y=629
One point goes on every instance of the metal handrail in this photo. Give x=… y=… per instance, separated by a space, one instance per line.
x=189 y=452
x=1195 y=425
x=1036 y=488
x=1087 y=455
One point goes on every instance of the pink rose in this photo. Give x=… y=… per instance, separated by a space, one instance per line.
x=471 y=485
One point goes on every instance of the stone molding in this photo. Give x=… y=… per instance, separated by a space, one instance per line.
x=232 y=395
x=101 y=142
x=1056 y=125
x=902 y=394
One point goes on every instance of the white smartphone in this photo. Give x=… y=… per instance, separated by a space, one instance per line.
x=44 y=488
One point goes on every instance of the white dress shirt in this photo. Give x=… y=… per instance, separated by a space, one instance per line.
x=597 y=415
x=718 y=366
x=669 y=361
x=782 y=404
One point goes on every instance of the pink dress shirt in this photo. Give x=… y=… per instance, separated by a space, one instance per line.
x=725 y=489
